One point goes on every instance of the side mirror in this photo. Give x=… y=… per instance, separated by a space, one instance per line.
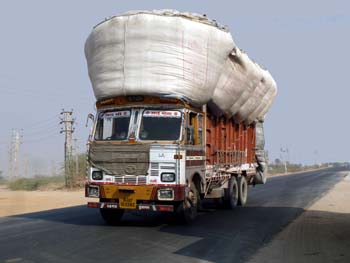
x=189 y=135
x=91 y=117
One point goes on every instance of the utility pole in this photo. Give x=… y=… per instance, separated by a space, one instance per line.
x=284 y=150
x=76 y=154
x=68 y=129
x=25 y=165
x=16 y=141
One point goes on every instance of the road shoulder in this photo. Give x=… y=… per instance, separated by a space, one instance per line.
x=320 y=234
x=21 y=202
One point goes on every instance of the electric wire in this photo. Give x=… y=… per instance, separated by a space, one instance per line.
x=35 y=94
x=41 y=139
x=47 y=129
x=39 y=123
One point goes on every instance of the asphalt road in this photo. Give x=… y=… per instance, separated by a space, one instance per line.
x=78 y=234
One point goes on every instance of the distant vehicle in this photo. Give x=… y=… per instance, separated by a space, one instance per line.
x=166 y=146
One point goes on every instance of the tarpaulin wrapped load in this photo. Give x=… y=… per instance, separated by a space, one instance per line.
x=182 y=54
x=237 y=83
x=260 y=154
x=265 y=101
x=244 y=89
x=159 y=52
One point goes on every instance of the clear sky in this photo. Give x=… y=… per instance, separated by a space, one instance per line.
x=304 y=44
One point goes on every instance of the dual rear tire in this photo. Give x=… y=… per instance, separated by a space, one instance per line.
x=237 y=192
x=242 y=190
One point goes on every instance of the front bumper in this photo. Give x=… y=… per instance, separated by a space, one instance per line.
x=139 y=192
x=143 y=207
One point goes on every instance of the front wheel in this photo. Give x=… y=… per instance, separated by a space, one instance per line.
x=187 y=211
x=112 y=216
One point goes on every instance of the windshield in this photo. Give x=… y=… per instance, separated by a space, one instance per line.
x=113 y=125
x=160 y=125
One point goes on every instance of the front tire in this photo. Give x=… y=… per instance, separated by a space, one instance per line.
x=187 y=211
x=112 y=216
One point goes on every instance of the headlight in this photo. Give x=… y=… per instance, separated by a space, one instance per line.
x=167 y=177
x=165 y=194
x=93 y=191
x=97 y=175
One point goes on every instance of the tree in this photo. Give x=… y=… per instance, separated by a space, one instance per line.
x=2 y=178
x=76 y=174
x=278 y=161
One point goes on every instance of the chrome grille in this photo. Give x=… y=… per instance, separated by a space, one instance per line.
x=154 y=172
x=154 y=166
x=168 y=167
x=130 y=179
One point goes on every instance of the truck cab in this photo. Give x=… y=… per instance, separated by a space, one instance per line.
x=146 y=153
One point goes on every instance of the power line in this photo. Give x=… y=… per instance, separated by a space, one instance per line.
x=52 y=119
x=39 y=94
x=43 y=131
x=42 y=127
x=45 y=138
x=35 y=91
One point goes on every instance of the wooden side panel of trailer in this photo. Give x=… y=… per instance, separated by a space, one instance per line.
x=228 y=142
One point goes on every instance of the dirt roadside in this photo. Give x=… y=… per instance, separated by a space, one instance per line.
x=320 y=234
x=21 y=202
x=300 y=172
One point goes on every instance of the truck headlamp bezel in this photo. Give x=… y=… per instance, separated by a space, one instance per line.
x=167 y=177
x=161 y=194
x=93 y=191
x=97 y=175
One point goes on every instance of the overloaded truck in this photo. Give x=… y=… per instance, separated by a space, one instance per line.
x=180 y=112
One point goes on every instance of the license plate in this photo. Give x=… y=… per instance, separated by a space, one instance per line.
x=127 y=200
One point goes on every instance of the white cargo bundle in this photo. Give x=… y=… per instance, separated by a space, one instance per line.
x=172 y=53
x=244 y=90
x=157 y=53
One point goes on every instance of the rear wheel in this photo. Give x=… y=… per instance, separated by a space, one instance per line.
x=187 y=211
x=112 y=216
x=231 y=194
x=242 y=190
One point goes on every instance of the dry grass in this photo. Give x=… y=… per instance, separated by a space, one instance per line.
x=37 y=183
x=21 y=202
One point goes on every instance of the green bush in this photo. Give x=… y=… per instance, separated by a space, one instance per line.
x=31 y=184
x=2 y=179
x=76 y=171
x=278 y=167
